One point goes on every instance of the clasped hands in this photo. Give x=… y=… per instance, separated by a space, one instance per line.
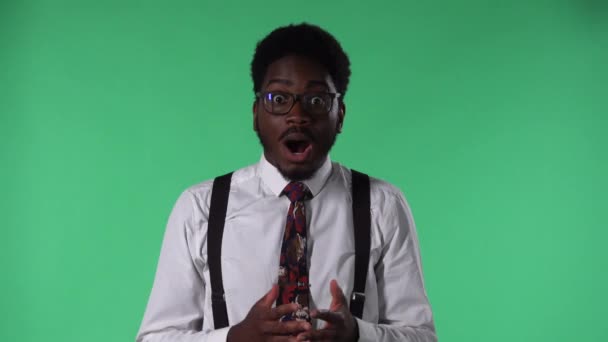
x=262 y=322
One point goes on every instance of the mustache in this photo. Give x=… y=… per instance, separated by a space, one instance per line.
x=303 y=130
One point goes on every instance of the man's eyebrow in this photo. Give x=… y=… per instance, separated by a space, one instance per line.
x=279 y=80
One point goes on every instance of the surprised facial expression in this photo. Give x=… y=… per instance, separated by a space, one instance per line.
x=297 y=142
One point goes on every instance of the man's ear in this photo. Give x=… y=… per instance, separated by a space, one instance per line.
x=341 y=115
x=254 y=108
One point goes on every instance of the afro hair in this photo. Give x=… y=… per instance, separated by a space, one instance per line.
x=304 y=40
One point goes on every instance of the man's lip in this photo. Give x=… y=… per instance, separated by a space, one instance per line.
x=297 y=157
x=300 y=133
x=297 y=136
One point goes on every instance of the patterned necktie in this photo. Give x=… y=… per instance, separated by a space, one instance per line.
x=293 y=271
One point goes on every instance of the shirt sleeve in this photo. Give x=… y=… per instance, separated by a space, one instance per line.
x=404 y=310
x=176 y=304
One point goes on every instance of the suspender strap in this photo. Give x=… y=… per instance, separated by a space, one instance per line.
x=217 y=217
x=362 y=224
x=215 y=231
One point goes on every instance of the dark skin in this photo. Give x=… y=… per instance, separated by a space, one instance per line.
x=262 y=322
x=340 y=324
x=297 y=75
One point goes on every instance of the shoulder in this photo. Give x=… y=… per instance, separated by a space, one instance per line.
x=199 y=194
x=389 y=208
x=390 y=212
x=382 y=193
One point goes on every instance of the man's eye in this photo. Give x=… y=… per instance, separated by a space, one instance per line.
x=317 y=101
x=279 y=99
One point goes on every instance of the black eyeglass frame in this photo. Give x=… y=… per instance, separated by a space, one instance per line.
x=296 y=98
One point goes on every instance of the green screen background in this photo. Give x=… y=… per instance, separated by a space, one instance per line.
x=491 y=116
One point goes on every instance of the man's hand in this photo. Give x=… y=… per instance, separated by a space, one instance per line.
x=340 y=324
x=262 y=322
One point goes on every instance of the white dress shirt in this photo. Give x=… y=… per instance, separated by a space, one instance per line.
x=396 y=306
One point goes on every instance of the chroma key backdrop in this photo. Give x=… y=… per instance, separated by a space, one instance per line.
x=491 y=116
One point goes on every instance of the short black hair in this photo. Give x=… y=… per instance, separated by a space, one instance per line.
x=304 y=40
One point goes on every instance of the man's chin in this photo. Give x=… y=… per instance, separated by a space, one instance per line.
x=298 y=172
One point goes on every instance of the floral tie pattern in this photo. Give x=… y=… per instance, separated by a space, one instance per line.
x=293 y=270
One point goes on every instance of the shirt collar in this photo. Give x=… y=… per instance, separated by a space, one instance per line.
x=276 y=182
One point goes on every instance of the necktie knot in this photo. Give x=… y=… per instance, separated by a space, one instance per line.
x=297 y=191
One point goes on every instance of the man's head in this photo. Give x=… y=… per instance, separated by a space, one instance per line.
x=300 y=77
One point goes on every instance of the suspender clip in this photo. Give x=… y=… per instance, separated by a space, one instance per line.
x=357 y=297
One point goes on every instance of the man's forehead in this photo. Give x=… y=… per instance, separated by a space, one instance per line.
x=309 y=84
x=290 y=70
x=293 y=64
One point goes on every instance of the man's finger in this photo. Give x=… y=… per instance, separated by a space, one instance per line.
x=285 y=328
x=283 y=310
x=337 y=295
x=270 y=297
x=336 y=318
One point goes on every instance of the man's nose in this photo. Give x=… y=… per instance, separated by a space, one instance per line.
x=298 y=116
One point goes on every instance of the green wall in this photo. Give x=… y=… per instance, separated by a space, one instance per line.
x=490 y=115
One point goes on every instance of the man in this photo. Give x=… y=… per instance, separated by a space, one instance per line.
x=288 y=248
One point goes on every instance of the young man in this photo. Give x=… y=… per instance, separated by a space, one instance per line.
x=287 y=253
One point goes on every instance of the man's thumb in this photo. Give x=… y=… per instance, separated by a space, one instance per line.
x=337 y=296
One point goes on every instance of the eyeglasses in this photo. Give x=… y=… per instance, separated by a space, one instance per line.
x=280 y=103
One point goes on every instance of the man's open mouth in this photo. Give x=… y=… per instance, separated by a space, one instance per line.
x=298 y=147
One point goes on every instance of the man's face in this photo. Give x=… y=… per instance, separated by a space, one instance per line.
x=297 y=143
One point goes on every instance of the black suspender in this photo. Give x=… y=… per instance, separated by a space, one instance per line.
x=361 y=223
x=215 y=231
